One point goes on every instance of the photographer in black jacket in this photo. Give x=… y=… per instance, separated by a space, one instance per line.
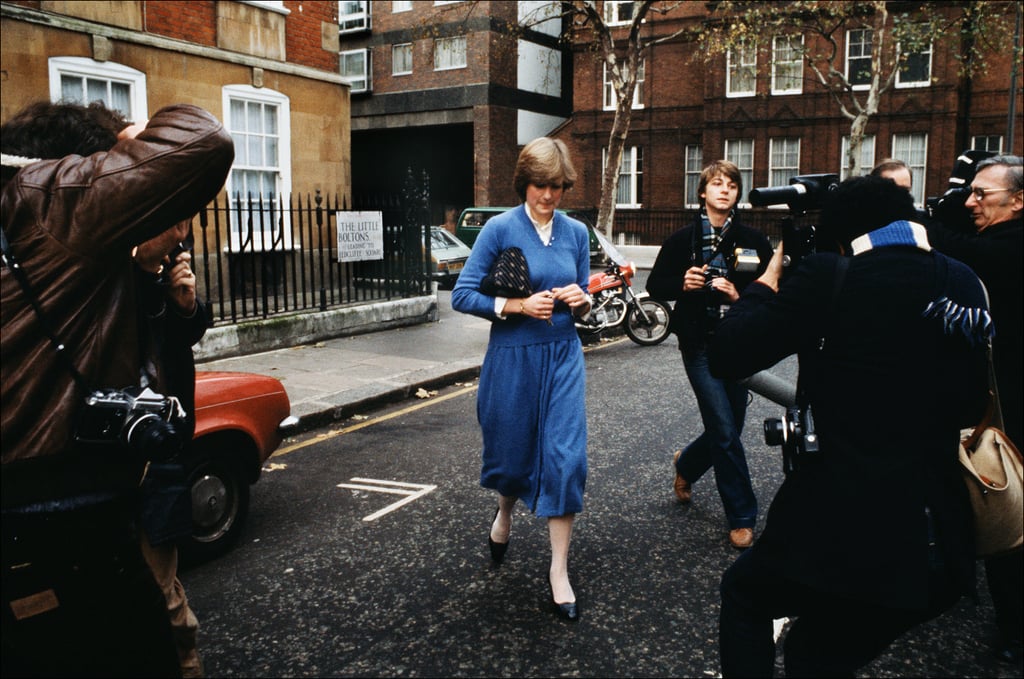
x=994 y=248
x=871 y=534
x=697 y=268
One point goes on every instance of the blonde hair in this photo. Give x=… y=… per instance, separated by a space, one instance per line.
x=543 y=161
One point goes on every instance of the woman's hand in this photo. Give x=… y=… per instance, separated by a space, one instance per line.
x=573 y=295
x=538 y=305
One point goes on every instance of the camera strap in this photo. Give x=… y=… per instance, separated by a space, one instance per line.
x=11 y=262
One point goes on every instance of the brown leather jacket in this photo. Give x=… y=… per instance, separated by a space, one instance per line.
x=71 y=223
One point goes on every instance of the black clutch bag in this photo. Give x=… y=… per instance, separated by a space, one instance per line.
x=509 y=277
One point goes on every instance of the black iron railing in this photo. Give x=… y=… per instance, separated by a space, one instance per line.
x=652 y=227
x=257 y=258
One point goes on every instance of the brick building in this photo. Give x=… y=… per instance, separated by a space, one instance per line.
x=688 y=112
x=452 y=89
x=268 y=70
x=464 y=123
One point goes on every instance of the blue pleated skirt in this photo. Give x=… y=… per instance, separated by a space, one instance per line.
x=531 y=409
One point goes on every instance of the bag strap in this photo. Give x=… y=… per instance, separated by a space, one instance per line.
x=11 y=262
x=842 y=266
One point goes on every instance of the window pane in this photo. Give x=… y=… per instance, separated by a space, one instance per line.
x=271 y=150
x=269 y=119
x=915 y=69
x=71 y=88
x=120 y=97
x=96 y=90
x=255 y=150
x=858 y=55
x=252 y=117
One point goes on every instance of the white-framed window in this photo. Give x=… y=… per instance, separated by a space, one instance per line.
x=867 y=156
x=355 y=67
x=618 y=12
x=401 y=59
x=741 y=153
x=611 y=99
x=912 y=149
x=631 y=173
x=787 y=64
x=988 y=142
x=915 y=69
x=401 y=6
x=741 y=71
x=694 y=165
x=783 y=160
x=83 y=80
x=353 y=16
x=450 y=53
x=259 y=121
x=858 y=57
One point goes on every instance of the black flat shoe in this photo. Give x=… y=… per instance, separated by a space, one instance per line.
x=569 y=612
x=497 y=548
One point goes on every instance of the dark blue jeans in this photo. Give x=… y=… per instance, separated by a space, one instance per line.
x=723 y=407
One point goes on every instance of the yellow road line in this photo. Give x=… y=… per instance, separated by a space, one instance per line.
x=375 y=420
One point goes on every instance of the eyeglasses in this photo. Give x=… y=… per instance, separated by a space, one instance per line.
x=979 y=194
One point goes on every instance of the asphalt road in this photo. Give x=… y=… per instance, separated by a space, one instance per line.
x=319 y=586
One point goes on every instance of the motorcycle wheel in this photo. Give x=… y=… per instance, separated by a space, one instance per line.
x=648 y=333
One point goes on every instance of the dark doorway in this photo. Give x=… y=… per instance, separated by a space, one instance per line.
x=381 y=158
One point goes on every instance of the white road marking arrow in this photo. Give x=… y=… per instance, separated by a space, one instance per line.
x=412 y=491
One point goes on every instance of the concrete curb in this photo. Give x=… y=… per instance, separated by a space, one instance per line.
x=281 y=332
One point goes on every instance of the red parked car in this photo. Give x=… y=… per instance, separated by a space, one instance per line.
x=241 y=419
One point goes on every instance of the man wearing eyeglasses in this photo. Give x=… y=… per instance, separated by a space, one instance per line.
x=996 y=205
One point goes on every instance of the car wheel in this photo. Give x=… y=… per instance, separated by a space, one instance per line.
x=220 y=505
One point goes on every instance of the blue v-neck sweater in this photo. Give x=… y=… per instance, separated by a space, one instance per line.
x=564 y=260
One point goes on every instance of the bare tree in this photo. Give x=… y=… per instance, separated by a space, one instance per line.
x=619 y=45
x=892 y=34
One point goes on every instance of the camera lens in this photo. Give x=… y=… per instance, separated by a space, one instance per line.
x=774 y=432
x=152 y=438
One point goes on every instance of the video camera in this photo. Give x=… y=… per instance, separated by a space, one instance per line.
x=949 y=208
x=805 y=192
x=795 y=432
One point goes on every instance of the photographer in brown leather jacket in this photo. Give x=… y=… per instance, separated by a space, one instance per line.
x=82 y=191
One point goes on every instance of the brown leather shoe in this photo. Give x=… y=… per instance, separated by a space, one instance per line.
x=682 y=487
x=741 y=538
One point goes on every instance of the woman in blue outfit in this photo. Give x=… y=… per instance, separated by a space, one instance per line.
x=530 y=403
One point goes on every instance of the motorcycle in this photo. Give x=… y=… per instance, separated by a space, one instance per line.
x=615 y=303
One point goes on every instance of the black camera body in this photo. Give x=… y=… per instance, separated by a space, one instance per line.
x=138 y=420
x=805 y=192
x=949 y=208
x=795 y=432
x=713 y=272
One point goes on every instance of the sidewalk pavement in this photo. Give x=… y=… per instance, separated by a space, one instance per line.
x=337 y=378
x=332 y=380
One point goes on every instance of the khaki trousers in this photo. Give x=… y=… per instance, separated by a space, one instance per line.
x=163 y=561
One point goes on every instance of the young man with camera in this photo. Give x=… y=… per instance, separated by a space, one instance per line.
x=79 y=191
x=870 y=533
x=702 y=267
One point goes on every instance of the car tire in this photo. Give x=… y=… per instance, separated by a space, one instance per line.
x=220 y=506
